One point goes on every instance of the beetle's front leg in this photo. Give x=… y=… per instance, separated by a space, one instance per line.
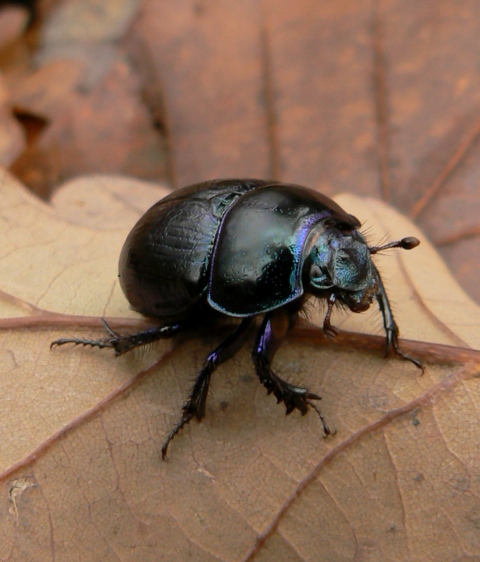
x=275 y=326
x=389 y=324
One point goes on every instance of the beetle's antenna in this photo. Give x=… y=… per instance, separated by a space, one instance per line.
x=405 y=243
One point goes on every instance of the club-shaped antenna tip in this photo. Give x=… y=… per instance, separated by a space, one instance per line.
x=409 y=242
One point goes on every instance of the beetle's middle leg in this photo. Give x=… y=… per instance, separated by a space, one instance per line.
x=195 y=405
x=275 y=326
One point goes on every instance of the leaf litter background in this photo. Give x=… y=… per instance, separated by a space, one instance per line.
x=379 y=99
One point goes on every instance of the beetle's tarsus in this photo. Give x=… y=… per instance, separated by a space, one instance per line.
x=78 y=341
x=329 y=330
x=183 y=421
x=294 y=397
x=120 y=344
x=403 y=355
x=326 y=429
x=411 y=359
x=392 y=343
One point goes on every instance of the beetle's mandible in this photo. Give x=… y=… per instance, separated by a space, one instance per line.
x=242 y=248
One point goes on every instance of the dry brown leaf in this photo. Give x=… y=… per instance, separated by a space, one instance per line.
x=11 y=138
x=13 y=21
x=81 y=431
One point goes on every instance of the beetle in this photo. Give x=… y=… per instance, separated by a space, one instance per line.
x=243 y=248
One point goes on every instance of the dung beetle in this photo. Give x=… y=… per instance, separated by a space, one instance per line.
x=242 y=248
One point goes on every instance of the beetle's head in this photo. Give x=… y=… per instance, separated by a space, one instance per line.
x=339 y=262
x=339 y=266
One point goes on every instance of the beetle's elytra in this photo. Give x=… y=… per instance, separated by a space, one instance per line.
x=242 y=248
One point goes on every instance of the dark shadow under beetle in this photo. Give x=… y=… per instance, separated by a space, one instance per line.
x=242 y=248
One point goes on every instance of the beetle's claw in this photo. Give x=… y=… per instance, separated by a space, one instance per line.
x=311 y=396
x=114 y=335
x=331 y=331
x=411 y=359
x=326 y=429
x=185 y=419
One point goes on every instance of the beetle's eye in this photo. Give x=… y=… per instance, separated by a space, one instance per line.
x=319 y=278
x=315 y=271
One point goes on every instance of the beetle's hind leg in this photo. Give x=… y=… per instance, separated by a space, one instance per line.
x=121 y=344
x=194 y=407
x=275 y=326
